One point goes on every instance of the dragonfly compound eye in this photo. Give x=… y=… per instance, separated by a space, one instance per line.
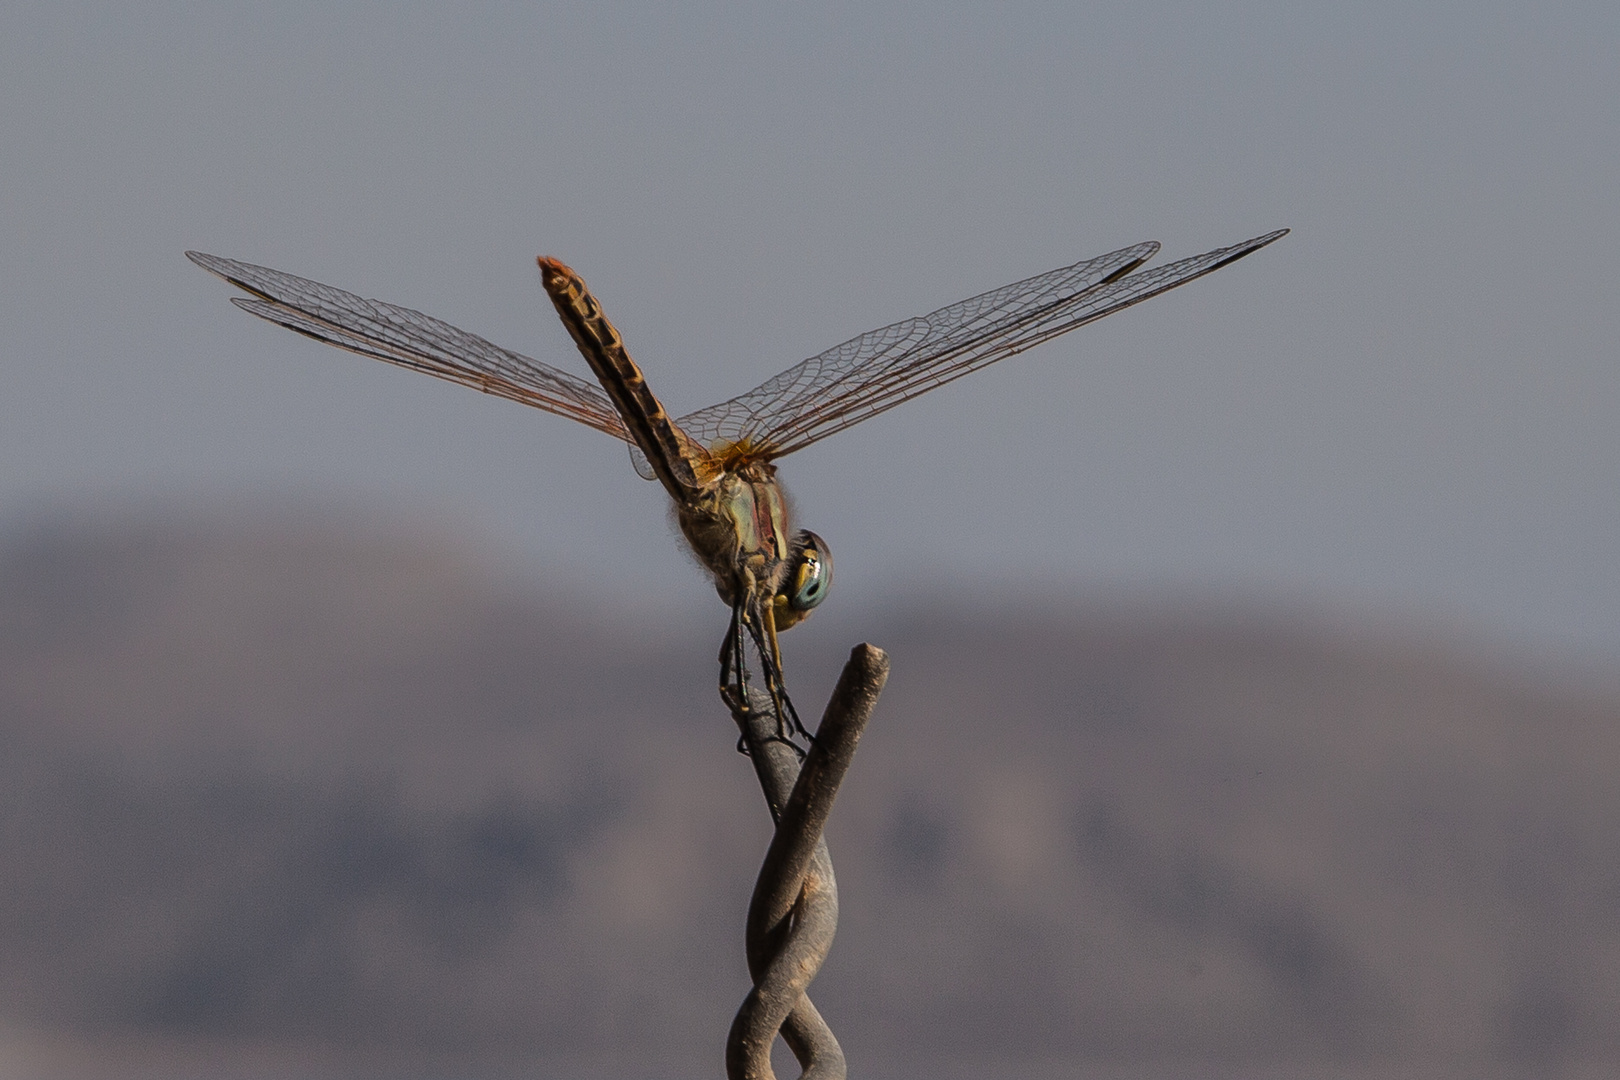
x=812 y=572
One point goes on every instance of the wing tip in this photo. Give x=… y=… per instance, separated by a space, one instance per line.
x=236 y=273
x=210 y=263
x=1248 y=247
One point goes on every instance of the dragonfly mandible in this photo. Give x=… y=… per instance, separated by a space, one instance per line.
x=718 y=464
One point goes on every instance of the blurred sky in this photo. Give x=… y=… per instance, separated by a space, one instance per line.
x=1410 y=406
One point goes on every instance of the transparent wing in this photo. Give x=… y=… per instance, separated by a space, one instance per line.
x=412 y=340
x=875 y=372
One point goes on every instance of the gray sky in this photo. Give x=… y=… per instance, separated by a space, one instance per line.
x=1411 y=406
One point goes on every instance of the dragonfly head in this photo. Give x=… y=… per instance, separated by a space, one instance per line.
x=809 y=576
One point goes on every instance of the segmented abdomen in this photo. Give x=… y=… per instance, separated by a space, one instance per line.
x=654 y=432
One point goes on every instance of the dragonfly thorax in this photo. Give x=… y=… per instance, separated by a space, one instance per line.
x=738 y=528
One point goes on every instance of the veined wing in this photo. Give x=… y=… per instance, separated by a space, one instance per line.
x=875 y=372
x=819 y=386
x=412 y=340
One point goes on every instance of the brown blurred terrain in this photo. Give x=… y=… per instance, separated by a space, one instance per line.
x=314 y=799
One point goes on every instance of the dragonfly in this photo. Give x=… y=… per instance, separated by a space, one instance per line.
x=718 y=463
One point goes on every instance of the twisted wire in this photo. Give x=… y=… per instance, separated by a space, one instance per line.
x=794 y=911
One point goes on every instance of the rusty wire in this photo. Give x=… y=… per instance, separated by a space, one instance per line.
x=794 y=911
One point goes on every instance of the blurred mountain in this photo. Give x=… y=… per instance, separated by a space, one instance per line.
x=310 y=797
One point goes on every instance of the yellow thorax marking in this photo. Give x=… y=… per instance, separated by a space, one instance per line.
x=732 y=456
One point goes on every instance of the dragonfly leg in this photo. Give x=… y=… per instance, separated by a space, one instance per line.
x=734 y=678
x=734 y=673
x=762 y=628
x=734 y=665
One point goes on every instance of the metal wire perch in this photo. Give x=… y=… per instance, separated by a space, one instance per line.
x=794 y=911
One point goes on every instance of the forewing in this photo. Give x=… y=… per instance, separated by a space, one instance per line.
x=412 y=340
x=877 y=371
x=822 y=383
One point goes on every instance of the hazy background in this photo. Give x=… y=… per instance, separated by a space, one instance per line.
x=293 y=797
x=1403 y=415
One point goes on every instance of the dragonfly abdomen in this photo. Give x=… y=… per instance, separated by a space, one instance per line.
x=604 y=351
